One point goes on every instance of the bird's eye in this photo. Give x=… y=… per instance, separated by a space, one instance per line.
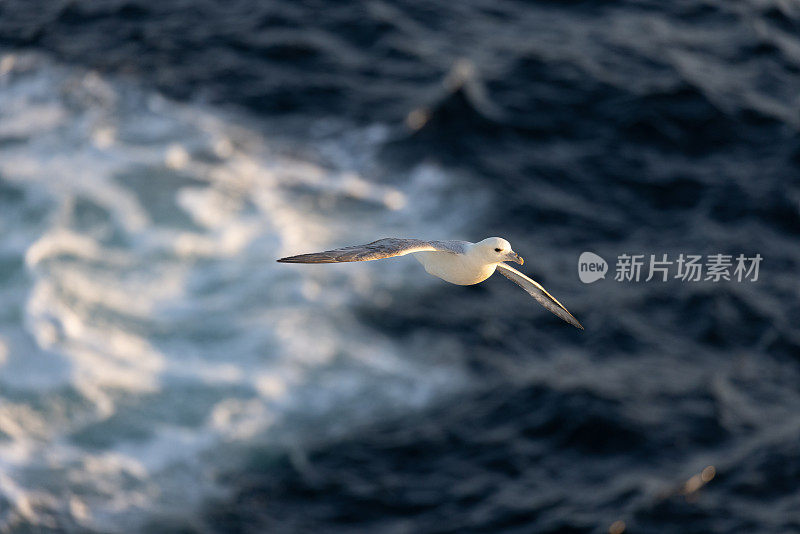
x=498 y=250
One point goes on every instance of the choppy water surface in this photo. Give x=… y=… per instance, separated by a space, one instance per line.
x=159 y=371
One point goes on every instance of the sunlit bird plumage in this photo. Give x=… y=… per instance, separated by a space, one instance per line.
x=457 y=262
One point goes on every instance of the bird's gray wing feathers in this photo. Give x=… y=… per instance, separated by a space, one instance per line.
x=538 y=292
x=382 y=248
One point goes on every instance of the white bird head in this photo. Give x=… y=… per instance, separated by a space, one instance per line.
x=496 y=250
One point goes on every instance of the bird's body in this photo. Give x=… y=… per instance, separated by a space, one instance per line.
x=460 y=269
x=458 y=262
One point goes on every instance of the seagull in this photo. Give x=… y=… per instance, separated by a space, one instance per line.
x=458 y=262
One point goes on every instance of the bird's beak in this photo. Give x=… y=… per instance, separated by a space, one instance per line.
x=513 y=256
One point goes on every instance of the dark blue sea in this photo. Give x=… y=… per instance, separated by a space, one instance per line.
x=160 y=372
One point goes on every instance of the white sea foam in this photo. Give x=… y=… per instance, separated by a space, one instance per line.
x=147 y=329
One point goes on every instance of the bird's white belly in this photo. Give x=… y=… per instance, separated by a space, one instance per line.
x=454 y=268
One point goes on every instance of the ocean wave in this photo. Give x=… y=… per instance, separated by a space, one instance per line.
x=147 y=328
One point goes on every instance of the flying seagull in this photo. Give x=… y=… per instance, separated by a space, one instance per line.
x=457 y=262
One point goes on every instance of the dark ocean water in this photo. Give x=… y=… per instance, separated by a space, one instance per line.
x=158 y=372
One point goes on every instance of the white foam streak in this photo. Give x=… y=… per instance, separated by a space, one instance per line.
x=153 y=327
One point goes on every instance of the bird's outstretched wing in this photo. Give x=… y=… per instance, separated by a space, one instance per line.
x=538 y=292
x=382 y=248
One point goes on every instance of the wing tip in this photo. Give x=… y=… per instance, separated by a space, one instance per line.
x=570 y=318
x=303 y=258
x=315 y=257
